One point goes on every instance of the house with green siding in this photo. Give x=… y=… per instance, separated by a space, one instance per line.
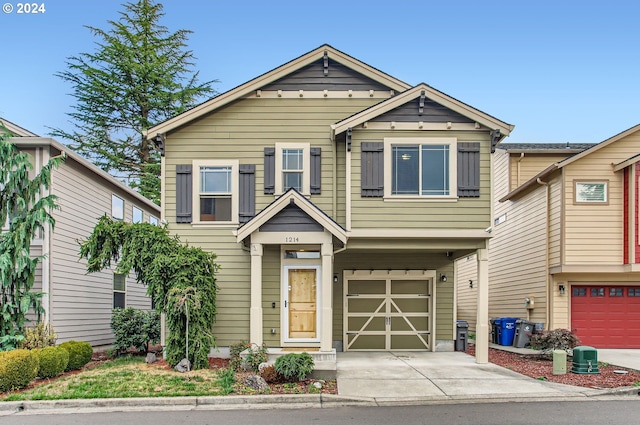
x=336 y=198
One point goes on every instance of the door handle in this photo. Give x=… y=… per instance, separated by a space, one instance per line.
x=285 y=303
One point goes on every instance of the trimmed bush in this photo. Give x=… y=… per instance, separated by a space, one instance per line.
x=53 y=361
x=17 y=369
x=39 y=336
x=79 y=354
x=135 y=328
x=294 y=366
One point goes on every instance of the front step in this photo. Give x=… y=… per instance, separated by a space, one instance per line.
x=325 y=362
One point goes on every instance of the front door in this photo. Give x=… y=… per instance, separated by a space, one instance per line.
x=301 y=303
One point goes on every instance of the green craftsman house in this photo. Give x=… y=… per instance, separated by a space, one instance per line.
x=336 y=198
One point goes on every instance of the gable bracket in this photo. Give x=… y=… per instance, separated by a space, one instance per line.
x=495 y=138
x=421 y=107
x=349 y=139
x=326 y=63
x=159 y=142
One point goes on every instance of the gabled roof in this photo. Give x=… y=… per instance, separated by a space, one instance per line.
x=16 y=130
x=289 y=197
x=561 y=164
x=271 y=76
x=550 y=148
x=430 y=93
x=26 y=142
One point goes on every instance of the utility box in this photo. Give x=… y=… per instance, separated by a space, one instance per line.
x=559 y=362
x=585 y=360
x=462 y=335
x=524 y=330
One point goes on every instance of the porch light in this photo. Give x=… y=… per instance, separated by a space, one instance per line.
x=561 y=289
x=443 y=278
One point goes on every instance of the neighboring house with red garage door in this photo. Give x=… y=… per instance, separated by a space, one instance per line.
x=565 y=236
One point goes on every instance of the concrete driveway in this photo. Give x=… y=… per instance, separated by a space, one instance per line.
x=629 y=358
x=394 y=376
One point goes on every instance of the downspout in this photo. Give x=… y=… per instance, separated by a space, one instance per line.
x=546 y=253
x=334 y=174
x=518 y=168
x=46 y=244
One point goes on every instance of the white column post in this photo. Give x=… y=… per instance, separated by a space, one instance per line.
x=255 y=315
x=482 y=325
x=326 y=331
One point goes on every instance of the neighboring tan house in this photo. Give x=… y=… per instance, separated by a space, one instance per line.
x=565 y=236
x=336 y=198
x=77 y=304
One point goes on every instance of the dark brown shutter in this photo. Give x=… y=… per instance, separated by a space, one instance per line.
x=247 y=191
x=184 y=193
x=269 y=171
x=372 y=169
x=315 y=170
x=468 y=170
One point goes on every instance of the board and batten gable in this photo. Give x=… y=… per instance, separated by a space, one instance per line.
x=594 y=233
x=81 y=303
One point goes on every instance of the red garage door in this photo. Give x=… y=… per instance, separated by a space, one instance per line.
x=606 y=316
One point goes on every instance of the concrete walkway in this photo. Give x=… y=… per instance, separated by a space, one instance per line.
x=392 y=377
x=628 y=358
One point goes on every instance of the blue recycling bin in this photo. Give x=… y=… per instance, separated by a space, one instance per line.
x=507 y=330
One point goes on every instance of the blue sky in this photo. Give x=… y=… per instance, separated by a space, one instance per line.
x=558 y=70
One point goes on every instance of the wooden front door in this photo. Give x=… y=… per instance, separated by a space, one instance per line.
x=302 y=297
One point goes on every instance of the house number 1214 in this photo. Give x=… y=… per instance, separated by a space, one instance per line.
x=290 y=239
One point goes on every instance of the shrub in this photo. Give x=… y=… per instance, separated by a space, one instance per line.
x=79 y=354
x=39 y=336
x=271 y=375
x=17 y=369
x=134 y=328
x=52 y=360
x=556 y=339
x=234 y=351
x=294 y=366
x=256 y=355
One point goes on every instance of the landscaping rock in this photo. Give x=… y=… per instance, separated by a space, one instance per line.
x=183 y=366
x=256 y=382
x=151 y=358
x=317 y=385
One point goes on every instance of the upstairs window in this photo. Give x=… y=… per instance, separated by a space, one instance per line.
x=293 y=164
x=136 y=214
x=215 y=193
x=153 y=220
x=591 y=192
x=292 y=169
x=421 y=170
x=117 y=207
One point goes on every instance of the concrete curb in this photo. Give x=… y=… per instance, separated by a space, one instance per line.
x=286 y=401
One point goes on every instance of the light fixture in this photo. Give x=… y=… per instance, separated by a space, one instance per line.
x=470 y=283
x=443 y=278
x=561 y=289
x=335 y=278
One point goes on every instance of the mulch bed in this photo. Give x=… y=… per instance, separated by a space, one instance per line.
x=541 y=367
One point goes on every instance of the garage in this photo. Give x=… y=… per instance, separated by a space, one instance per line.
x=606 y=316
x=388 y=310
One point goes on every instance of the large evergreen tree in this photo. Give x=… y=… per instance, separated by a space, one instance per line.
x=139 y=75
x=26 y=212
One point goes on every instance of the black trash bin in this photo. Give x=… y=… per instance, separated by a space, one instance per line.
x=462 y=335
x=495 y=324
x=524 y=330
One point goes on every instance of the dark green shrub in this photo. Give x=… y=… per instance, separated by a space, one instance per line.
x=135 y=328
x=256 y=355
x=39 y=336
x=17 y=369
x=271 y=375
x=79 y=354
x=295 y=366
x=234 y=352
x=52 y=360
x=556 y=339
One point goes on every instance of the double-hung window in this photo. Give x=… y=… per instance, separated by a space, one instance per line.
x=117 y=207
x=119 y=290
x=292 y=167
x=136 y=214
x=420 y=168
x=215 y=191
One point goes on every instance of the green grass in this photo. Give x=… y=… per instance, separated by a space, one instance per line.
x=124 y=378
